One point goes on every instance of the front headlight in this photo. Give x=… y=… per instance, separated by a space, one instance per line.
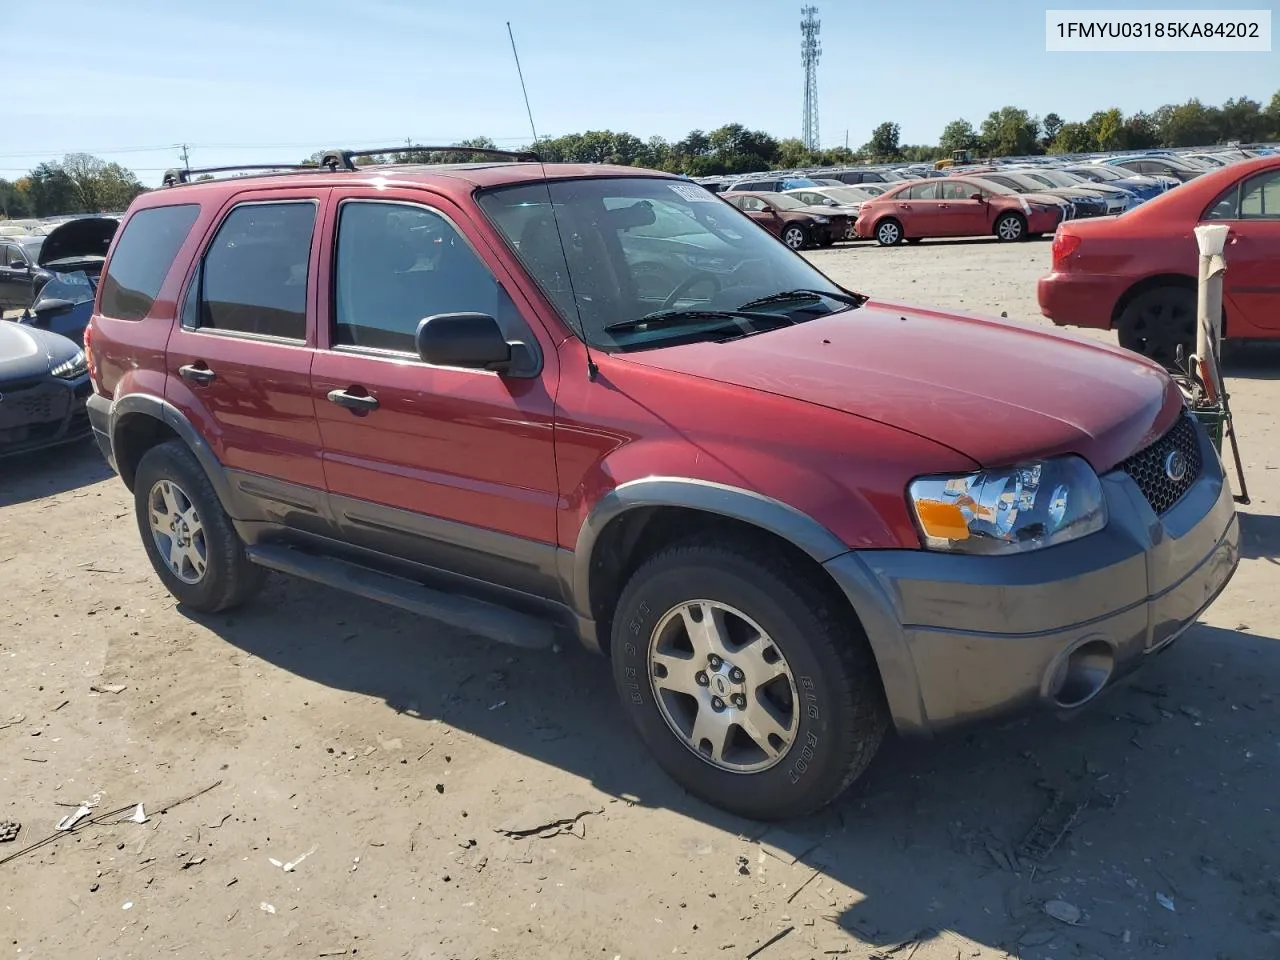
x=1009 y=510
x=821 y=219
x=72 y=368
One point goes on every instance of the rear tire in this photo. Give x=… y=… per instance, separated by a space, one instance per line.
x=888 y=232
x=1157 y=322
x=188 y=537
x=822 y=688
x=1010 y=228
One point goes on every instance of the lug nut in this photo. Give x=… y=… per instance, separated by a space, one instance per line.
x=740 y=701
x=714 y=662
x=736 y=675
x=717 y=704
x=701 y=678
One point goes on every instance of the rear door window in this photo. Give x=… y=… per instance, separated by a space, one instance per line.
x=253 y=279
x=921 y=191
x=142 y=258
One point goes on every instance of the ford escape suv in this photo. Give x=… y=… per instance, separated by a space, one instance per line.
x=519 y=398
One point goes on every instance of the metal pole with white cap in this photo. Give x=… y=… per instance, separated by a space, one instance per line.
x=1212 y=240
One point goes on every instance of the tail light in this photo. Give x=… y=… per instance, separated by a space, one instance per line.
x=1064 y=245
x=88 y=353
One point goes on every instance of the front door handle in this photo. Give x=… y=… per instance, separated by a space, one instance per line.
x=198 y=374
x=353 y=401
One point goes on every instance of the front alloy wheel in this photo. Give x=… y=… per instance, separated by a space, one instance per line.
x=723 y=686
x=794 y=238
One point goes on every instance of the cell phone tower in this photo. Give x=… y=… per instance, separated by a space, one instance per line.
x=810 y=50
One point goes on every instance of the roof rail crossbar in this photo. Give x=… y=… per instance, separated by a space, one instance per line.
x=344 y=159
x=185 y=174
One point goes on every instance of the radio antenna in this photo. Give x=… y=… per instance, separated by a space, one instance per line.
x=592 y=369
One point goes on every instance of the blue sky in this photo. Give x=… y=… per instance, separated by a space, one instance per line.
x=254 y=80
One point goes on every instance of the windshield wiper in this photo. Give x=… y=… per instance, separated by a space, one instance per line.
x=789 y=296
x=671 y=318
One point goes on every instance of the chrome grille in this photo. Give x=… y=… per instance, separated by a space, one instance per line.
x=1147 y=467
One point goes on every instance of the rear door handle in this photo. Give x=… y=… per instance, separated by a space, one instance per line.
x=353 y=401
x=198 y=374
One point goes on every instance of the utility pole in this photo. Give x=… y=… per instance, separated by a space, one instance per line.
x=186 y=158
x=846 y=139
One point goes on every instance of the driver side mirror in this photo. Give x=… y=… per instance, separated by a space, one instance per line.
x=473 y=341
x=975 y=196
x=18 y=265
x=51 y=305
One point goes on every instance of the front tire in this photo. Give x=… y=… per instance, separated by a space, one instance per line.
x=1010 y=228
x=753 y=689
x=1157 y=322
x=188 y=537
x=795 y=238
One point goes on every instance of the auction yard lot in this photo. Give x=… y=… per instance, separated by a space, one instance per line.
x=434 y=796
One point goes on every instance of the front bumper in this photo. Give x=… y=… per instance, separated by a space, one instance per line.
x=42 y=413
x=960 y=639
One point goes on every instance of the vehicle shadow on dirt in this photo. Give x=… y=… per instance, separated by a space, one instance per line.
x=1259 y=537
x=47 y=473
x=1175 y=775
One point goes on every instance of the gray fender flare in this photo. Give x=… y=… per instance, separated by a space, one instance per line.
x=159 y=409
x=733 y=502
x=867 y=598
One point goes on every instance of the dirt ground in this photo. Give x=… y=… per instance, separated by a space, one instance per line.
x=380 y=785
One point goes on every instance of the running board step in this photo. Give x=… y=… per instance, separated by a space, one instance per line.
x=462 y=612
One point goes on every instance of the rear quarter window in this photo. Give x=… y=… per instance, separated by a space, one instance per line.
x=142 y=258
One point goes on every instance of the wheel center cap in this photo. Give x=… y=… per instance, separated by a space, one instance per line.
x=720 y=685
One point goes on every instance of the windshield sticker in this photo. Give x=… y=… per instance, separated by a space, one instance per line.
x=693 y=193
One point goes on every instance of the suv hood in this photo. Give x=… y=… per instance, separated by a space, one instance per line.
x=28 y=352
x=78 y=242
x=996 y=391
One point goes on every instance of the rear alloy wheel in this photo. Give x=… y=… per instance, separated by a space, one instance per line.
x=888 y=233
x=1157 y=322
x=1011 y=228
x=753 y=688
x=795 y=238
x=187 y=534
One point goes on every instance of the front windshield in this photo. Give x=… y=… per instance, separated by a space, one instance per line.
x=633 y=246
x=1100 y=172
x=1058 y=178
x=31 y=247
x=870 y=189
x=847 y=194
x=783 y=202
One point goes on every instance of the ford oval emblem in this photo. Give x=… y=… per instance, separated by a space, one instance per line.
x=1175 y=466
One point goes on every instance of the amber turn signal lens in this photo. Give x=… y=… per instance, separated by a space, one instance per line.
x=946 y=521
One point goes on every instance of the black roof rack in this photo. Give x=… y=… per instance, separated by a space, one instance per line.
x=342 y=159
x=186 y=174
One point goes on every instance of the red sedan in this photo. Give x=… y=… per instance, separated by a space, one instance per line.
x=1136 y=273
x=957 y=207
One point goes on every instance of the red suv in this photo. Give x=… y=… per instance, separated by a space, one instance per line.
x=790 y=516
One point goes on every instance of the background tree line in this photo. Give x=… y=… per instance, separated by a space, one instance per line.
x=1009 y=131
x=79 y=183
x=82 y=183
